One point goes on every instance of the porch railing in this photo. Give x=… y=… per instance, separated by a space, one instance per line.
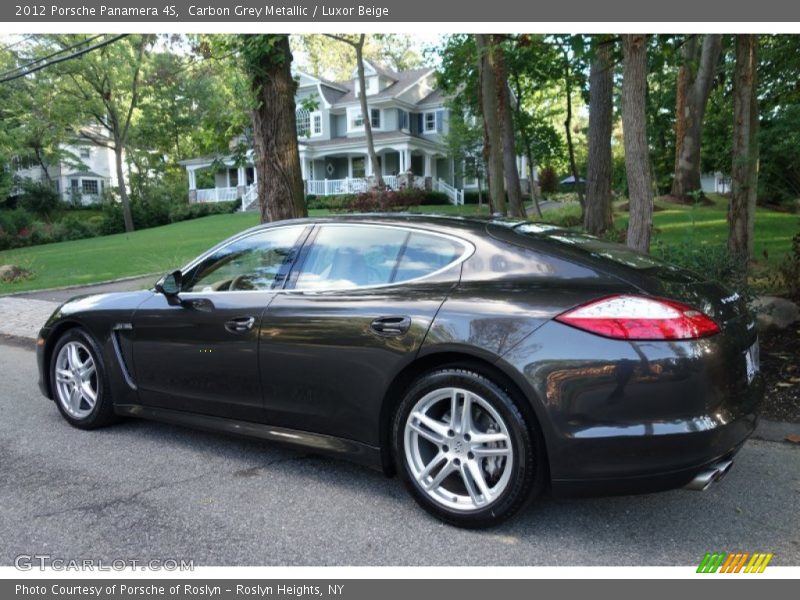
x=353 y=185
x=455 y=195
x=224 y=194
x=250 y=197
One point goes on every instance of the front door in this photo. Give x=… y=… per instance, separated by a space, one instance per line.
x=199 y=352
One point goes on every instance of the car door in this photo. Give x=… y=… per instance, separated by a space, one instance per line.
x=199 y=352
x=359 y=304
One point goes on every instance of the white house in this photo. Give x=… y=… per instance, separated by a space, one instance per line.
x=715 y=183
x=409 y=121
x=87 y=168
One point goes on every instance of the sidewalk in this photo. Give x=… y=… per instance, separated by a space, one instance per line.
x=24 y=317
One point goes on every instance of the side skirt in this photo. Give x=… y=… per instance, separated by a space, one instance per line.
x=357 y=452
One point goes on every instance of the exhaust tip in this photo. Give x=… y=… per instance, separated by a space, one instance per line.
x=703 y=480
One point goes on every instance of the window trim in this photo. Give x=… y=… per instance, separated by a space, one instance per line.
x=302 y=247
x=89 y=180
x=299 y=263
x=354 y=111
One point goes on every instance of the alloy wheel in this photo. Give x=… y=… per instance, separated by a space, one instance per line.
x=76 y=379
x=458 y=449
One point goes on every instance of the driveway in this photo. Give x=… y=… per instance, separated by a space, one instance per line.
x=147 y=490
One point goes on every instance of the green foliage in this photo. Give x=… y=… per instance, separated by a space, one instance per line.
x=385 y=201
x=345 y=201
x=548 y=180
x=787 y=275
x=39 y=198
x=714 y=263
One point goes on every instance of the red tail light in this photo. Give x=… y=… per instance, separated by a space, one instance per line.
x=640 y=318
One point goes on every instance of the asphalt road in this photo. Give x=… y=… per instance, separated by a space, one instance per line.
x=145 y=490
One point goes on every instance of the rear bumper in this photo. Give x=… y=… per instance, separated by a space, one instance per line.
x=668 y=464
x=624 y=417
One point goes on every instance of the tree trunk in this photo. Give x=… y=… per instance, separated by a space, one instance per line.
x=362 y=84
x=505 y=116
x=123 y=190
x=744 y=176
x=695 y=79
x=277 y=159
x=494 y=146
x=568 y=128
x=599 y=168
x=532 y=181
x=634 y=124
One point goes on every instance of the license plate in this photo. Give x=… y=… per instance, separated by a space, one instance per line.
x=751 y=361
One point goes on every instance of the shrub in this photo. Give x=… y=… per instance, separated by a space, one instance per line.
x=39 y=198
x=14 y=221
x=548 y=180
x=712 y=262
x=788 y=272
x=385 y=201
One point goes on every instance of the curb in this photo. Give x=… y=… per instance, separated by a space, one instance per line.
x=775 y=431
x=78 y=285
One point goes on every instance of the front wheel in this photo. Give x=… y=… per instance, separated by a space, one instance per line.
x=78 y=381
x=464 y=449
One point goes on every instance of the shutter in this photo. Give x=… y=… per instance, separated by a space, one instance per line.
x=439 y=121
x=420 y=123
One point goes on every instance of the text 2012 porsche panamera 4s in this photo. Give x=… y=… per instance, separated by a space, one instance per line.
x=483 y=361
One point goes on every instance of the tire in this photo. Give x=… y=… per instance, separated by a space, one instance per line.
x=441 y=460
x=82 y=373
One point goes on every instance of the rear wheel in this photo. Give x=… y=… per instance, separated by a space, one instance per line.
x=78 y=380
x=464 y=449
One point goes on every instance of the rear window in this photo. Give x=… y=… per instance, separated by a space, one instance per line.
x=594 y=246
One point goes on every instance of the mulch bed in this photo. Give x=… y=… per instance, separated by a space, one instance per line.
x=780 y=364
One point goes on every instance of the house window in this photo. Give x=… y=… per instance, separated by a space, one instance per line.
x=303 y=122
x=316 y=122
x=403 y=120
x=85 y=152
x=73 y=185
x=90 y=187
x=433 y=121
x=359 y=167
x=357 y=121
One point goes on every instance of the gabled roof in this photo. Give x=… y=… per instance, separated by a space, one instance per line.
x=402 y=81
x=435 y=97
x=382 y=71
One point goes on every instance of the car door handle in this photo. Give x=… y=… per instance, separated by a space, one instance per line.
x=391 y=326
x=240 y=324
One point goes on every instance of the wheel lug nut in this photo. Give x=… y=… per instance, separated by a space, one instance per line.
x=470 y=455
x=466 y=437
x=445 y=449
x=456 y=462
x=450 y=433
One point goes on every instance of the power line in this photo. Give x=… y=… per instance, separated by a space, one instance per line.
x=51 y=55
x=64 y=58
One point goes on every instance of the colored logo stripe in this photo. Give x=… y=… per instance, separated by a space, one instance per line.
x=734 y=562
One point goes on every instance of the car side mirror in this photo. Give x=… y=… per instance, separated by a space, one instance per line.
x=169 y=284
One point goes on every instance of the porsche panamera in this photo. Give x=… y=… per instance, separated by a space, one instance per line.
x=483 y=361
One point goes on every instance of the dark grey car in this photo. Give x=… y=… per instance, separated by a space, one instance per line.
x=483 y=361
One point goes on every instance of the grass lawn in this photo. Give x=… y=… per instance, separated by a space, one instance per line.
x=159 y=249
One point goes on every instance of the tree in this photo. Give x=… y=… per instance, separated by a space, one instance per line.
x=106 y=85
x=506 y=118
x=323 y=56
x=570 y=79
x=634 y=123
x=465 y=144
x=493 y=145
x=744 y=177
x=267 y=61
x=599 y=168
x=695 y=79
x=357 y=43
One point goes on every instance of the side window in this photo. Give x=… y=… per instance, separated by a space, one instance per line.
x=346 y=256
x=350 y=256
x=255 y=262
x=425 y=254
